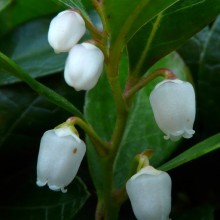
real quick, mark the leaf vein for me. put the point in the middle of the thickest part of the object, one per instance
(185, 7)
(155, 27)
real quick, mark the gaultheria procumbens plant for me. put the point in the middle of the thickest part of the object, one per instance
(136, 90)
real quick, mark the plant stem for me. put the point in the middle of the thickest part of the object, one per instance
(166, 73)
(101, 147)
(121, 113)
(98, 5)
(107, 212)
(108, 200)
(108, 206)
(108, 203)
(112, 68)
(96, 34)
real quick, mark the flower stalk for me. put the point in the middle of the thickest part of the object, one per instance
(109, 201)
(163, 72)
(101, 147)
(95, 33)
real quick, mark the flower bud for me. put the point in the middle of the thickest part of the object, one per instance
(83, 66)
(149, 192)
(65, 30)
(60, 155)
(173, 104)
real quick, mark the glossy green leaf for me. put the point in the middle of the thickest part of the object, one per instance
(26, 201)
(28, 47)
(101, 110)
(22, 10)
(191, 50)
(24, 115)
(209, 80)
(4, 4)
(200, 149)
(142, 132)
(8, 66)
(168, 31)
(124, 18)
(100, 113)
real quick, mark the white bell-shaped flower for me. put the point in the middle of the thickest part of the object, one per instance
(65, 30)
(84, 66)
(149, 192)
(173, 104)
(60, 155)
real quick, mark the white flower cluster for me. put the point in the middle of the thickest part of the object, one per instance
(174, 108)
(84, 63)
(61, 150)
(149, 190)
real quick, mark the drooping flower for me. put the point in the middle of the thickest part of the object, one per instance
(65, 30)
(83, 66)
(60, 155)
(173, 104)
(149, 192)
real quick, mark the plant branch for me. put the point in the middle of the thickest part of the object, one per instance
(108, 207)
(121, 108)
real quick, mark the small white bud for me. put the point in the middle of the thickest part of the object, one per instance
(83, 66)
(65, 30)
(173, 104)
(149, 192)
(60, 155)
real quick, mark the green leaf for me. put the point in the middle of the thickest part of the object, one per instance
(100, 112)
(8, 66)
(124, 18)
(4, 4)
(76, 4)
(26, 201)
(96, 110)
(37, 58)
(24, 115)
(142, 131)
(209, 80)
(21, 11)
(168, 31)
(191, 50)
(200, 149)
